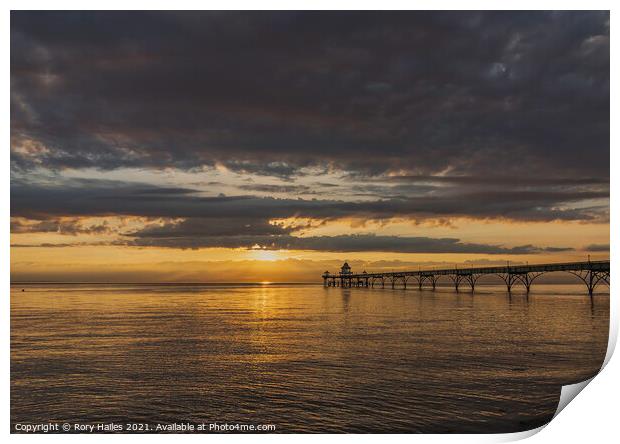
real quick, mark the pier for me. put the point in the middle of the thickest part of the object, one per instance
(591, 273)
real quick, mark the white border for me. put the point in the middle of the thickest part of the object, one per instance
(591, 418)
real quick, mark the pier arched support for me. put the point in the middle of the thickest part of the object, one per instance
(509, 279)
(471, 279)
(456, 280)
(405, 279)
(460, 277)
(377, 279)
(525, 278)
(431, 279)
(398, 277)
(591, 278)
(416, 278)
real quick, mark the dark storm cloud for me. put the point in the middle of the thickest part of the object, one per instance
(266, 188)
(597, 247)
(525, 93)
(69, 227)
(79, 197)
(507, 181)
(196, 221)
(62, 245)
(197, 233)
(439, 186)
(341, 243)
(206, 227)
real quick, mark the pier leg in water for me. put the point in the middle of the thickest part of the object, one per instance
(456, 279)
(509, 279)
(472, 279)
(592, 278)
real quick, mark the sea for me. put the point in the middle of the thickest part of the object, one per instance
(299, 358)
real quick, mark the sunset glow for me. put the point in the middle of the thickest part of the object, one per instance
(192, 177)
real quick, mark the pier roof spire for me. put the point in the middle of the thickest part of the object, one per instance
(345, 269)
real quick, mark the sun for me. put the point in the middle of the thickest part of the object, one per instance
(265, 255)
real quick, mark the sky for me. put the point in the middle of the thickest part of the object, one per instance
(272, 146)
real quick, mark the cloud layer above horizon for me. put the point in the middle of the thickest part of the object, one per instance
(212, 128)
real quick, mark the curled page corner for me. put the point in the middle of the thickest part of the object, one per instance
(569, 392)
(518, 436)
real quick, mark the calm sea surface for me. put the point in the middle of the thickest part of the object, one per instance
(301, 357)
